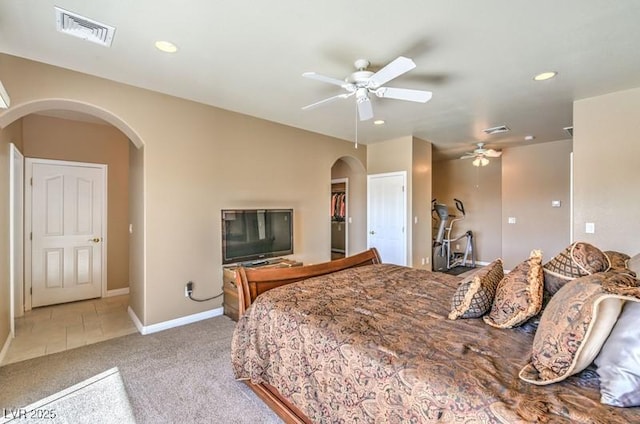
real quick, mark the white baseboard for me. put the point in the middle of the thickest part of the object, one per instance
(189, 319)
(117, 292)
(5, 348)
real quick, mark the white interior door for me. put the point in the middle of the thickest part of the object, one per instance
(386, 216)
(67, 211)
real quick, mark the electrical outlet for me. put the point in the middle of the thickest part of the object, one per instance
(188, 289)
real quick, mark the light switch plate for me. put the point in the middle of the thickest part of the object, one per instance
(590, 228)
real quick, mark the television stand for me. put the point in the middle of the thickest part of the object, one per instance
(230, 290)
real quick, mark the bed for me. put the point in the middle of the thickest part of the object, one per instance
(359, 341)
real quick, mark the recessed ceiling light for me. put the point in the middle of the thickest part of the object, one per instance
(166, 46)
(545, 76)
(529, 137)
(378, 122)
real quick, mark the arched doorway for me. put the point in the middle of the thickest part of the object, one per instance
(38, 118)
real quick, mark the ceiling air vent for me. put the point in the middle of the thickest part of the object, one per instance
(85, 28)
(569, 130)
(496, 130)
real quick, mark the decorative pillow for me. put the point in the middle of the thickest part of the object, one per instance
(634, 264)
(618, 363)
(574, 326)
(619, 261)
(577, 260)
(519, 294)
(474, 295)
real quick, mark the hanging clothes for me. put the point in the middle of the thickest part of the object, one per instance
(338, 206)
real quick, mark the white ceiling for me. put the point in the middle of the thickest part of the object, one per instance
(477, 57)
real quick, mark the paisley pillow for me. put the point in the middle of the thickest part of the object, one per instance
(577, 260)
(575, 325)
(519, 294)
(474, 295)
(619, 262)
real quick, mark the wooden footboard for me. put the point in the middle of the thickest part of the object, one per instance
(278, 404)
(253, 282)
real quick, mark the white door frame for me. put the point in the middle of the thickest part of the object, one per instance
(402, 174)
(28, 217)
(16, 236)
(346, 212)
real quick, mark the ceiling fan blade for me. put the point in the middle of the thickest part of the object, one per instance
(323, 78)
(365, 110)
(327, 100)
(492, 153)
(393, 70)
(468, 156)
(404, 94)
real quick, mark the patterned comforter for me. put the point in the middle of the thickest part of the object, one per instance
(373, 344)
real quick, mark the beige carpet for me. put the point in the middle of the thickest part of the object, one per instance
(181, 375)
(99, 399)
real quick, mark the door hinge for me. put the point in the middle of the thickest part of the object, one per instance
(403, 189)
(31, 181)
(31, 290)
(30, 236)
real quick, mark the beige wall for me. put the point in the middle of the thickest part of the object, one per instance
(9, 134)
(390, 156)
(533, 176)
(606, 149)
(479, 189)
(60, 139)
(136, 238)
(420, 221)
(412, 156)
(197, 160)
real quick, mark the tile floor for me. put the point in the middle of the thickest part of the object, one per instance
(52, 329)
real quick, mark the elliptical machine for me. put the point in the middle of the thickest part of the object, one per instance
(444, 258)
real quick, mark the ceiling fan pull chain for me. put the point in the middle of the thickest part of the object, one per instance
(356, 125)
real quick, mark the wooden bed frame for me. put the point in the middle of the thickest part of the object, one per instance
(252, 282)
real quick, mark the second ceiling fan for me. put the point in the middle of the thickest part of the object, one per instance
(362, 82)
(481, 155)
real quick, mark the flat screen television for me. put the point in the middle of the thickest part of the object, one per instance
(251, 236)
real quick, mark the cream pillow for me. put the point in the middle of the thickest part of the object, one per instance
(618, 363)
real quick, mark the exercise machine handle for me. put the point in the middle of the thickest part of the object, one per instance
(459, 206)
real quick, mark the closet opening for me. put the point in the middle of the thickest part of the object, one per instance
(339, 221)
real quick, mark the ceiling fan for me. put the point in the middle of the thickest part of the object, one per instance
(362, 82)
(481, 155)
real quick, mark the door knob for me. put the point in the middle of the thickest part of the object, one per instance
(95, 240)
(372, 232)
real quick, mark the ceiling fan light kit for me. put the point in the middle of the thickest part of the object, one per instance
(362, 82)
(482, 161)
(481, 155)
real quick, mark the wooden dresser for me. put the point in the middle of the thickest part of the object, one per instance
(230, 303)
